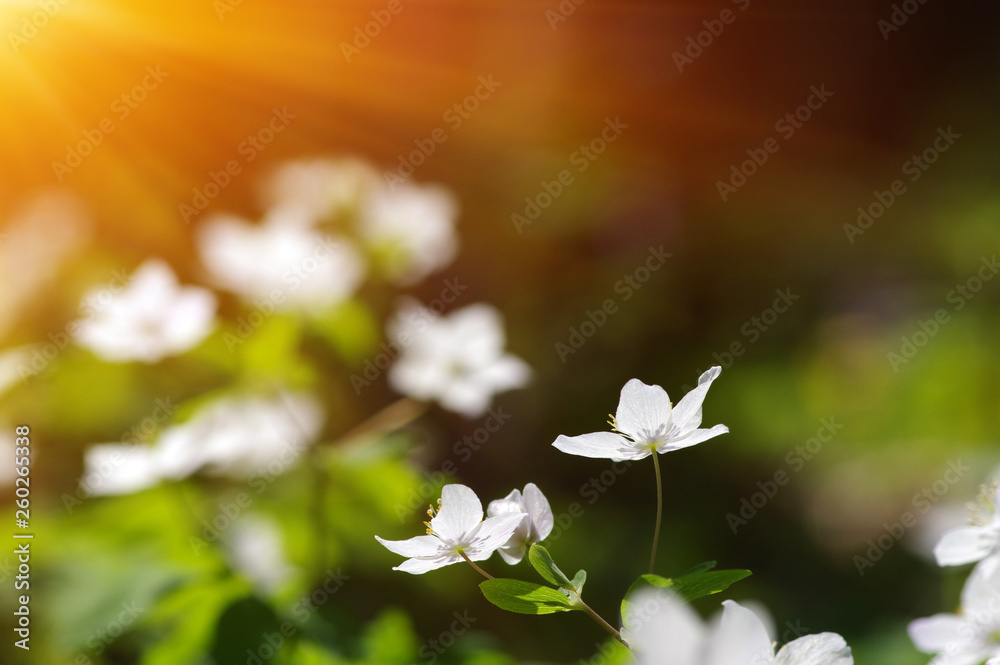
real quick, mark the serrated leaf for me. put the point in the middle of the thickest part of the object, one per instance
(524, 597)
(542, 561)
(700, 581)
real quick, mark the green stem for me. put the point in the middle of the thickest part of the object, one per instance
(600, 621)
(388, 419)
(659, 511)
(472, 563)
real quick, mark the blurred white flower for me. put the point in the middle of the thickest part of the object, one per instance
(646, 423)
(455, 531)
(534, 529)
(317, 189)
(664, 630)
(280, 261)
(415, 226)
(232, 436)
(12, 363)
(237, 436)
(117, 468)
(973, 543)
(150, 318)
(256, 550)
(973, 635)
(458, 359)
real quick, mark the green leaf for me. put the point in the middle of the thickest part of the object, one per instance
(542, 561)
(524, 597)
(579, 580)
(698, 582)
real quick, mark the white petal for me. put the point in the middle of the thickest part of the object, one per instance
(600, 445)
(493, 534)
(542, 520)
(418, 546)
(822, 649)
(939, 633)
(643, 410)
(509, 504)
(421, 566)
(461, 512)
(687, 412)
(663, 630)
(965, 545)
(740, 638)
(979, 596)
(513, 554)
(694, 438)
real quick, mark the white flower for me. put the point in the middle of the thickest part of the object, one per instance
(317, 189)
(256, 550)
(115, 468)
(972, 543)
(238, 436)
(457, 528)
(666, 631)
(152, 317)
(281, 262)
(534, 529)
(458, 360)
(416, 224)
(232, 436)
(972, 636)
(646, 422)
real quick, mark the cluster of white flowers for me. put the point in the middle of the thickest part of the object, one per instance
(973, 634)
(664, 630)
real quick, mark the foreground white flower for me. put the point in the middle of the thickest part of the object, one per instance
(458, 360)
(456, 531)
(414, 225)
(973, 543)
(234, 437)
(282, 262)
(666, 631)
(535, 528)
(150, 318)
(646, 422)
(972, 636)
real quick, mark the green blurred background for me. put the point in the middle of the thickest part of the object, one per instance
(655, 185)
